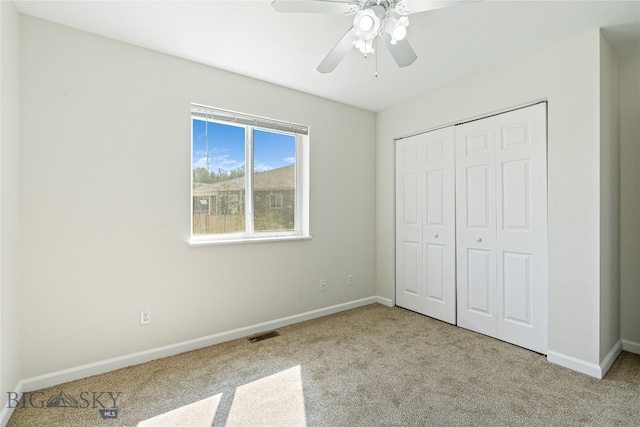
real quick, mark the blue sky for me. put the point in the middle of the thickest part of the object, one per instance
(226, 148)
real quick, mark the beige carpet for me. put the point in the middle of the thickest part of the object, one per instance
(365, 367)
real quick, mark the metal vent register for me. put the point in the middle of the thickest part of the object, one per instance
(263, 337)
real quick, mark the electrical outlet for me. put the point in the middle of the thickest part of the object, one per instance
(350, 280)
(145, 317)
(323, 284)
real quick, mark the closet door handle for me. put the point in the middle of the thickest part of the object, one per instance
(435, 235)
(479, 239)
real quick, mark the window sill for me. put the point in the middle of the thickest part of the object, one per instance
(213, 242)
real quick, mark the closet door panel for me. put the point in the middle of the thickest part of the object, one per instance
(522, 227)
(409, 222)
(435, 198)
(410, 269)
(479, 278)
(435, 283)
(516, 195)
(425, 224)
(439, 228)
(476, 226)
(517, 288)
(478, 197)
(501, 226)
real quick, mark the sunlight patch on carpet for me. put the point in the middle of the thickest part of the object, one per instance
(200, 413)
(274, 400)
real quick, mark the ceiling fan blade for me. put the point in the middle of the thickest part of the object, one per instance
(311, 6)
(413, 6)
(402, 51)
(338, 52)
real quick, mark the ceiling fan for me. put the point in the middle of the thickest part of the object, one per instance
(386, 19)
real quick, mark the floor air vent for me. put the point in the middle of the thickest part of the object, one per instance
(264, 336)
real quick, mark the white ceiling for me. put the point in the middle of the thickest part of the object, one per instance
(250, 38)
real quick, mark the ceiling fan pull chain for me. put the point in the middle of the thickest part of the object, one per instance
(377, 52)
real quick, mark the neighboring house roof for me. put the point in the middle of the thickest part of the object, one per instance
(274, 179)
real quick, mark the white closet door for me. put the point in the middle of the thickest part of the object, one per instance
(409, 206)
(476, 226)
(521, 185)
(425, 224)
(439, 231)
(502, 226)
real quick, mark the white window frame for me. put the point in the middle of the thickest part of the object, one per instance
(251, 123)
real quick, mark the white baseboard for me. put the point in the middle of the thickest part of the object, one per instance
(384, 301)
(574, 364)
(631, 347)
(611, 357)
(6, 412)
(587, 368)
(72, 374)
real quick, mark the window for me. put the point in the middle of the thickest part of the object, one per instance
(276, 201)
(249, 177)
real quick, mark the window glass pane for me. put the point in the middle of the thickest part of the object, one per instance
(274, 172)
(218, 178)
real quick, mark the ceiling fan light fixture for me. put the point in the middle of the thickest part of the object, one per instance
(366, 24)
(397, 28)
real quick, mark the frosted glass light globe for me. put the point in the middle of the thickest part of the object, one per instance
(399, 32)
(366, 23)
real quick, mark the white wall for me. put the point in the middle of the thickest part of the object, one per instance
(630, 202)
(10, 365)
(105, 200)
(567, 74)
(609, 200)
